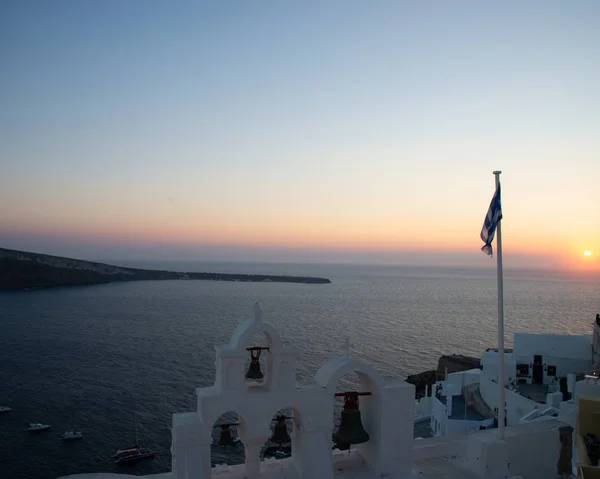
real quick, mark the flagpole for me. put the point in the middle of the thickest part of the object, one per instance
(501, 389)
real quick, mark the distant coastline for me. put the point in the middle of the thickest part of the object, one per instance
(21, 270)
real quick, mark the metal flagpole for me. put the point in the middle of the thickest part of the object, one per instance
(464, 394)
(501, 390)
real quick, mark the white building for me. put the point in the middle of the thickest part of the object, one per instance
(531, 451)
(544, 358)
(536, 372)
(546, 377)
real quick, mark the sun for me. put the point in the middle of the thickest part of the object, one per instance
(587, 253)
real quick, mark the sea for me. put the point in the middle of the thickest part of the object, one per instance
(103, 358)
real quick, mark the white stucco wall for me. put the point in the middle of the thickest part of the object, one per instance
(586, 389)
(530, 451)
(457, 426)
(517, 406)
(430, 447)
(534, 452)
(489, 364)
(423, 406)
(564, 366)
(489, 392)
(438, 416)
(463, 378)
(560, 346)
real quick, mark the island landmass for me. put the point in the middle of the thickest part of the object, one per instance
(21, 270)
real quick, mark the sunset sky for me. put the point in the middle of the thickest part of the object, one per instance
(300, 131)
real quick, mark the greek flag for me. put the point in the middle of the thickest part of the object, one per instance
(494, 215)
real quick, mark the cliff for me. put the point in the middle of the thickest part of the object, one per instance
(454, 362)
(23, 270)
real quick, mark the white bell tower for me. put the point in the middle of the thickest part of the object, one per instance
(387, 412)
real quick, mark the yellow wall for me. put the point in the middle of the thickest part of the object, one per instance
(588, 472)
(588, 422)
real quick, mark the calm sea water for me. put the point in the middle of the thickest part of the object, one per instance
(90, 356)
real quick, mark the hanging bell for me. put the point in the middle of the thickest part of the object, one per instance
(351, 429)
(225, 438)
(280, 433)
(254, 371)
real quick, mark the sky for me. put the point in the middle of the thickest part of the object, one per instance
(343, 131)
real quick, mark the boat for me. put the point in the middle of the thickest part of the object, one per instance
(5, 409)
(72, 434)
(133, 453)
(125, 450)
(36, 426)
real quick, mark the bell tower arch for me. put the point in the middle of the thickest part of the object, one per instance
(280, 361)
(389, 448)
(387, 412)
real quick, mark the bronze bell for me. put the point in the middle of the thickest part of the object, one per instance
(254, 371)
(225, 438)
(280, 433)
(351, 429)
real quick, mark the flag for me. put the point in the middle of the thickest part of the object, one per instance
(494, 215)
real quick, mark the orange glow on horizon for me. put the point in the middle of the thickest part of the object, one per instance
(302, 237)
(280, 232)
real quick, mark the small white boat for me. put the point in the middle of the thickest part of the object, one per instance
(72, 434)
(5, 409)
(36, 426)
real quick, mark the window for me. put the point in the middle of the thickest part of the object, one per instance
(551, 371)
(522, 370)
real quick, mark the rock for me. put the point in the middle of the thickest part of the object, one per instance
(420, 380)
(454, 362)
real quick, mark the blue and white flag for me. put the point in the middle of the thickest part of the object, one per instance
(494, 215)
